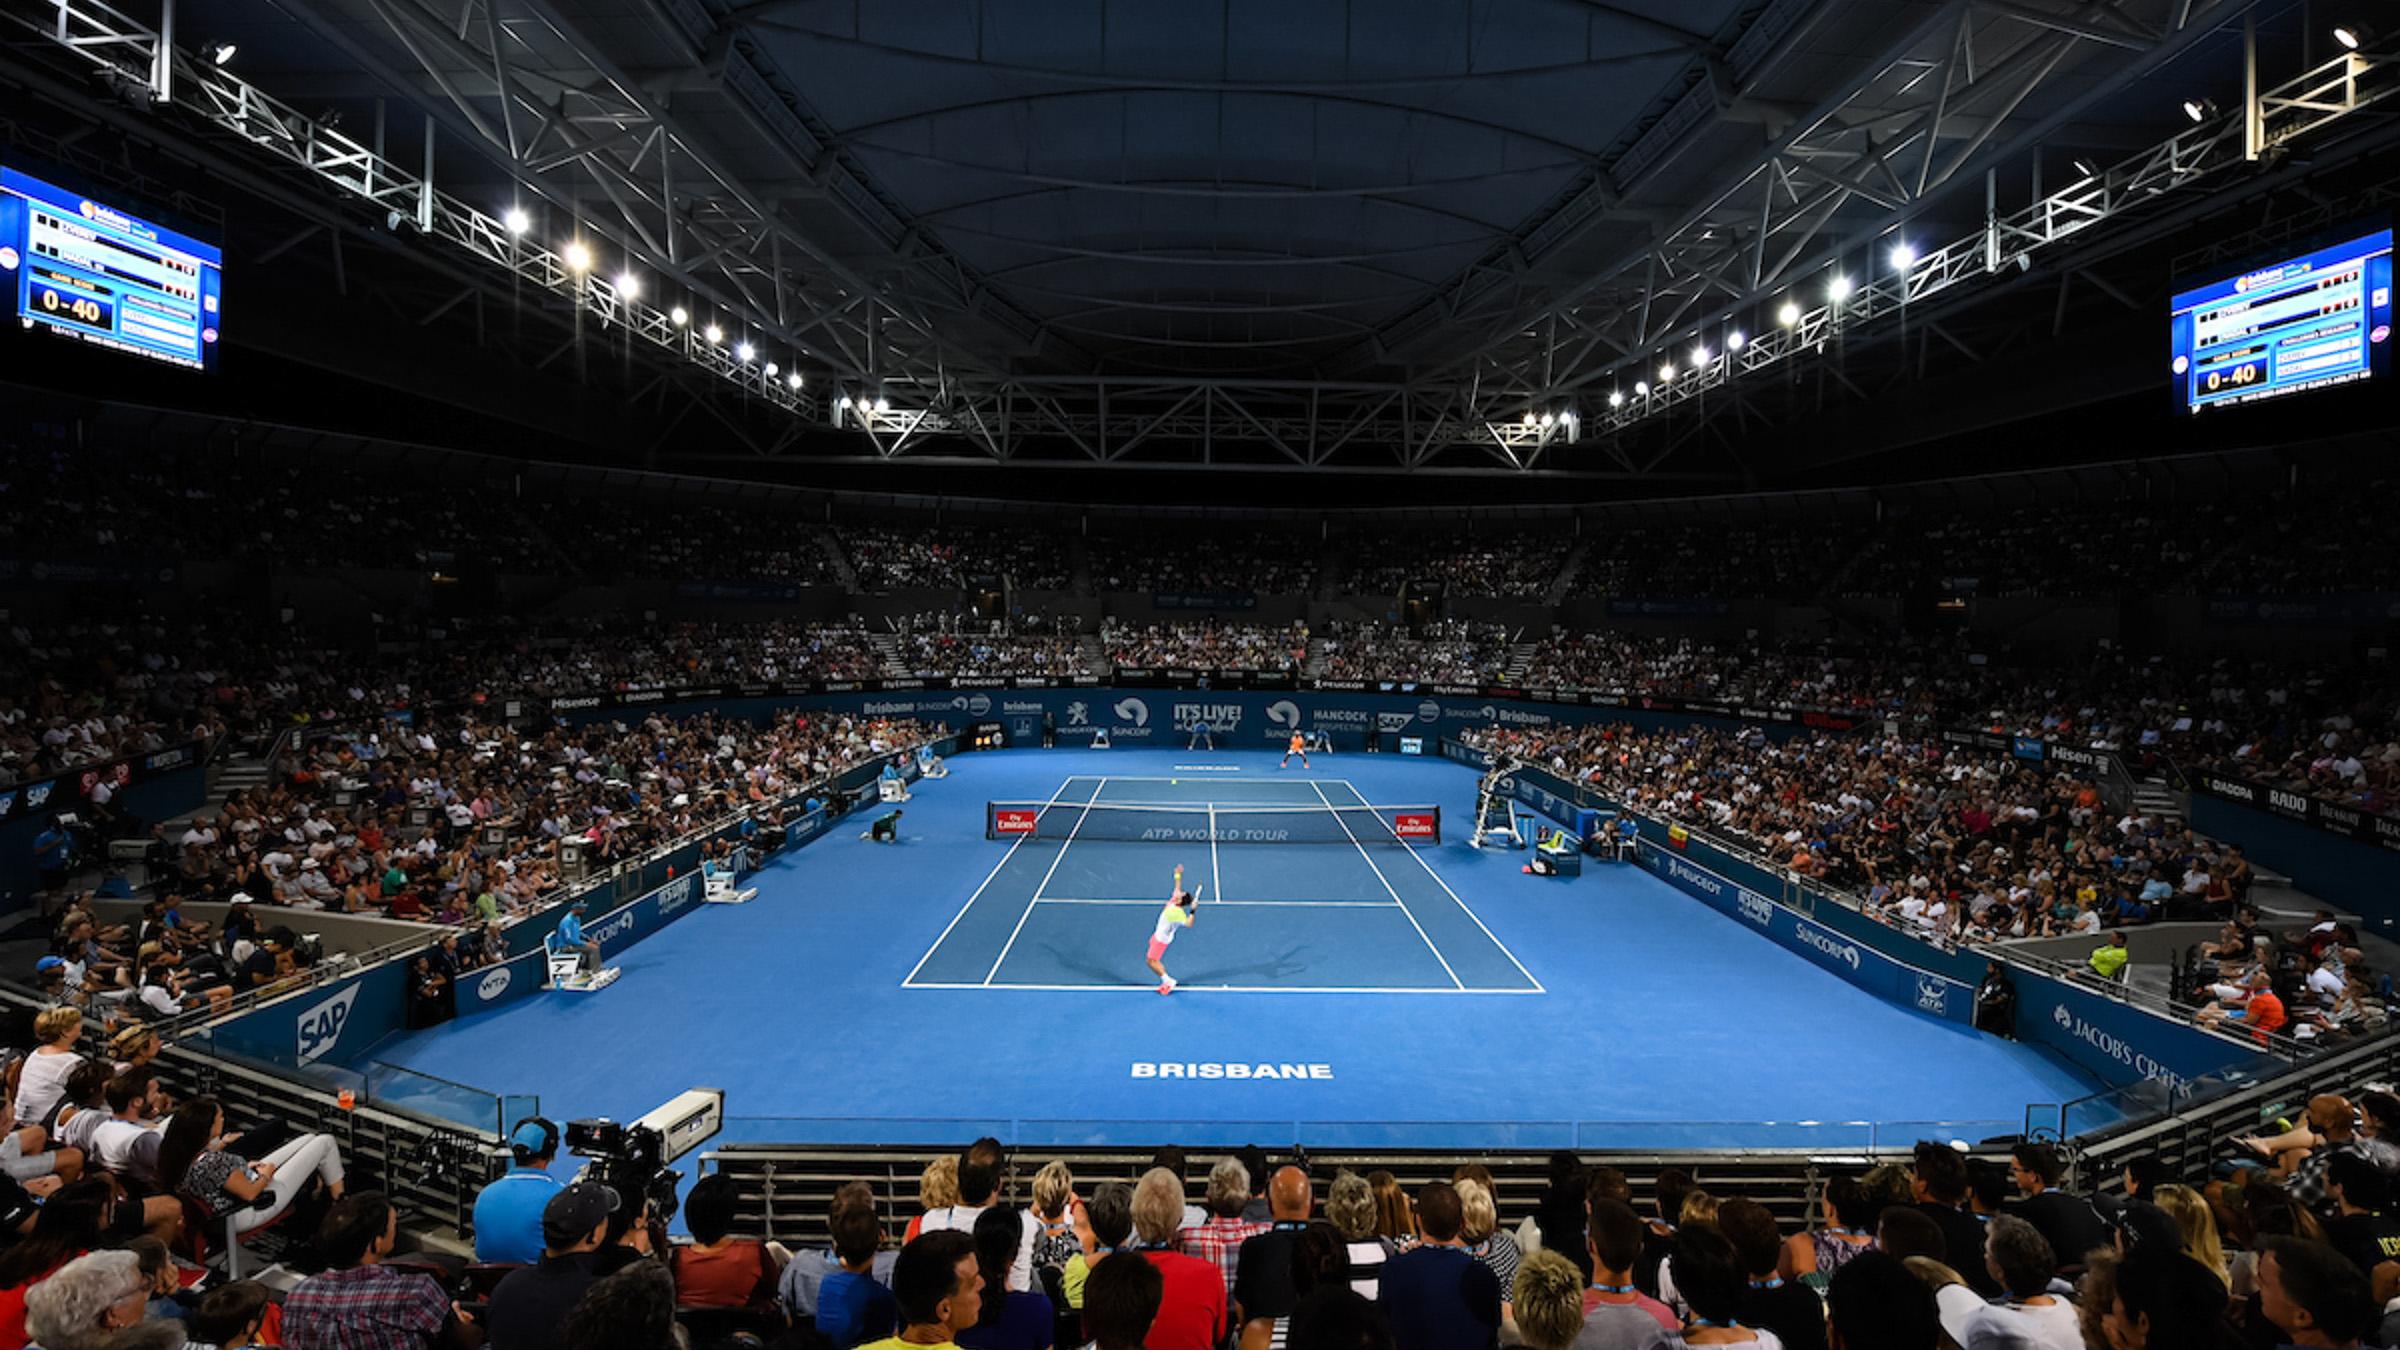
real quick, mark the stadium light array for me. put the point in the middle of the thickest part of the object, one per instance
(744, 351)
(1788, 315)
(792, 381)
(516, 220)
(1616, 398)
(773, 370)
(628, 285)
(1838, 289)
(578, 256)
(714, 334)
(1641, 389)
(679, 316)
(1699, 355)
(1666, 371)
(883, 405)
(1904, 256)
(1734, 340)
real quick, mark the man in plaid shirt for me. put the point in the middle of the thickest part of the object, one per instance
(1221, 1238)
(360, 1303)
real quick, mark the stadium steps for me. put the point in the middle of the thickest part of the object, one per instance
(2154, 797)
(1520, 659)
(887, 650)
(1095, 652)
(1563, 585)
(840, 558)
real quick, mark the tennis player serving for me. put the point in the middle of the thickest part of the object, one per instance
(1181, 906)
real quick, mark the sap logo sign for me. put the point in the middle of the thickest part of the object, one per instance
(493, 984)
(1284, 713)
(678, 893)
(1134, 711)
(1813, 936)
(320, 1027)
(1391, 721)
(1757, 908)
(1933, 994)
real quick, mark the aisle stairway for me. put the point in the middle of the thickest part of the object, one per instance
(1520, 658)
(887, 646)
(840, 558)
(1564, 583)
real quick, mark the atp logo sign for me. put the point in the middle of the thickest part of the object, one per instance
(320, 1028)
(1757, 908)
(1933, 995)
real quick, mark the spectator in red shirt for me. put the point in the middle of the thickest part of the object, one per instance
(1191, 1314)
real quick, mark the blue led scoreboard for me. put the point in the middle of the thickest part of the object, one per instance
(85, 270)
(2321, 319)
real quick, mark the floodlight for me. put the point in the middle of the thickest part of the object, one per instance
(1548, 418)
(1838, 289)
(1699, 355)
(679, 316)
(773, 370)
(516, 220)
(792, 381)
(628, 285)
(1734, 340)
(714, 333)
(744, 351)
(1788, 315)
(1666, 371)
(1641, 389)
(579, 257)
(883, 405)
(219, 53)
(1616, 398)
(2199, 109)
(2352, 36)
(1904, 256)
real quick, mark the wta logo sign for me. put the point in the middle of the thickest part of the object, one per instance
(493, 984)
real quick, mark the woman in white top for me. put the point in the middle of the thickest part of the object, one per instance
(2030, 1317)
(41, 1082)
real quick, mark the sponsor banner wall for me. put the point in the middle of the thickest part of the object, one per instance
(157, 786)
(2357, 869)
(2119, 1042)
(1894, 981)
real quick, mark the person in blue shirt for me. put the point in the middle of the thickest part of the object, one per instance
(570, 935)
(508, 1214)
(52, 849)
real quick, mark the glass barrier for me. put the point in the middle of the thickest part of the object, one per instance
(405, 1089)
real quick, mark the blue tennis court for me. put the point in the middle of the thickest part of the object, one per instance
(1306, 887)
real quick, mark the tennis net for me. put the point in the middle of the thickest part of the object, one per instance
(1203, 823)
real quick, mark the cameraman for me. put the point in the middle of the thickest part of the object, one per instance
(508, 1214)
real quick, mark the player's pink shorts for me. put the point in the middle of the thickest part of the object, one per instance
(1158, 950)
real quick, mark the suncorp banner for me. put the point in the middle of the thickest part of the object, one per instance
(1896, 982)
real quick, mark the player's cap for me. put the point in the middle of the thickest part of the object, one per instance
(574, 1212)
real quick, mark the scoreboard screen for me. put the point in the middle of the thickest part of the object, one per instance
(81, 269)
(2320, 319)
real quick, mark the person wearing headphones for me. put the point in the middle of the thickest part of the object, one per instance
(508, 1214)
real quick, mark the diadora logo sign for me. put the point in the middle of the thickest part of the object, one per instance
(1812, 936)
(1284, 713)
(1133, 712)
(2116, 1048)
(1933, 994)
(321, 1026)
(493, 984)
(678, 893)
(1757, 908)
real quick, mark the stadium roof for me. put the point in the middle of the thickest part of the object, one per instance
(1285, 232)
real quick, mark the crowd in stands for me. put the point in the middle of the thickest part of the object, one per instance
(988, 648)
(954, 557)
(2294, 1240)
(1205, 559)
(1517, 562)
(1209, 645)
(1729, 559)
(1451, 651)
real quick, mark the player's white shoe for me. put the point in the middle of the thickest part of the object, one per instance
(1167, 985)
